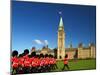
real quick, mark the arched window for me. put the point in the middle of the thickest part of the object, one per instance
(60, 57)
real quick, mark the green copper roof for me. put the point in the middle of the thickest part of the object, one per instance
(61, 22)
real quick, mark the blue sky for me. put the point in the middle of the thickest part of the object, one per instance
(33, 22)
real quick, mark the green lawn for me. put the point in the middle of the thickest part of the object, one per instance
(78, 65)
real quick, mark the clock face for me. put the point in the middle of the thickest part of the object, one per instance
(60, 28)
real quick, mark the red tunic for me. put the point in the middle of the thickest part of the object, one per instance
(15, 61)
(21, 62)
(41, 62)
(46, 61)
(66, 61)
(25, 57)
(34, 62)
(27, 62)
(38, 62)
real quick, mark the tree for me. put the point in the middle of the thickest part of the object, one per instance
(55, 52)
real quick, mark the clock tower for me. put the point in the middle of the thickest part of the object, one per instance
(61, 40)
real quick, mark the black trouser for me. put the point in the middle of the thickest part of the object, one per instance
(55, 65)
(65, 65)
(14, 71)
(26, 69)
(33, 69)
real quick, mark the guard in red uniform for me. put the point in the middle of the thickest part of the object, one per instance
(14, 61)
(66, 62)
(27, 65)
(21, 65)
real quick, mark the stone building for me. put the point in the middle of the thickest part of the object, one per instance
(80, 52)
(45, 50)
(89, 52)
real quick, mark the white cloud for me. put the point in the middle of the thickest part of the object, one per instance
(38, 42)
(41, 42)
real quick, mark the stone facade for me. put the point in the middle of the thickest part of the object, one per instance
(83, 53)
(44, 51)
(70, 54)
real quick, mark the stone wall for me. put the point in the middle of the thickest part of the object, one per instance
(70, 53)
(83, 53)
(93, 52)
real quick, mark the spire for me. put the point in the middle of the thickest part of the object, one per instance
(61, 22)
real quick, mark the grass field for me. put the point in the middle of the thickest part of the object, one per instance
(78, 65)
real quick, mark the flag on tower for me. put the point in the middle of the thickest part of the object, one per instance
(60, 12)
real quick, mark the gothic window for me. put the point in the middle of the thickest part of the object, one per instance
(60, 57)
